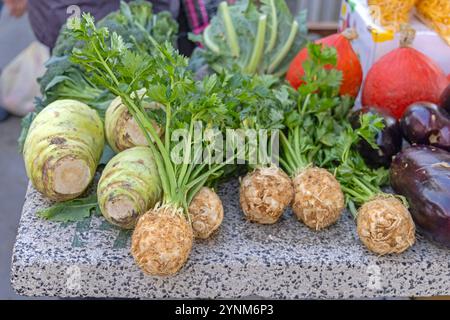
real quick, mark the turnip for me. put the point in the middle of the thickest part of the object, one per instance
(206, 212)
(129, 186)
(63, 148)
(122, 131)
(265, 193)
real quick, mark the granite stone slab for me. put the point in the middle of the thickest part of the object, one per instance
(285, 260)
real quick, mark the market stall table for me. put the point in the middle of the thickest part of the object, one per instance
(286, 260)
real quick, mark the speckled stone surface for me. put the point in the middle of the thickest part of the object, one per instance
(286, 260)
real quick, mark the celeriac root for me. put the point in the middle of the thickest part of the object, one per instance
(63, 148)
(206, 211)
(162, 241)
(264, 194)
(385, 226)
(122, 131)
(318, 198)
(129, 186)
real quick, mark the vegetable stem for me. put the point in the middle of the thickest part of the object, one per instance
(229, 29)
(296, 161)
(363, 187)
(284, 51)
(273, 36)
(187, 156)
(209, 42)
(258, 46)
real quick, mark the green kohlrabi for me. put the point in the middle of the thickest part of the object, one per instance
(253, 37)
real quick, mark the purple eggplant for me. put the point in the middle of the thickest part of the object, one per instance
(445, 99)
(426, 123)
(389, 140)
(422, 174)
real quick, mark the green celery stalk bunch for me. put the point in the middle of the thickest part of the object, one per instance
(113, 64)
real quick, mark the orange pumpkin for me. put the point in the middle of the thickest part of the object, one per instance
(347, 62)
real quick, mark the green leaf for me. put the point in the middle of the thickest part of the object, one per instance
(70, 211)
(56, 80)
(107, 155)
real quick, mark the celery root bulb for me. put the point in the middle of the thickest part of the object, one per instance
(318, 198)
(206, 211)
(129, 186)
(162, 241)
(122, 130)
(264, 194)
(63, 148)
(385, 226)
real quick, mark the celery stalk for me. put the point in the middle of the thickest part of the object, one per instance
(209, 42)
(229, 29)
(273, 36)
(258, 47)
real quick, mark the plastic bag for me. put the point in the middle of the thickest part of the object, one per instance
(18, 84)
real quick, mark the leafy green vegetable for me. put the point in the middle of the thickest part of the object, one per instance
(132, 21)
(320, 133)
(65, 42)
(251, 37)
(314, 123)
(135, 20)
(359, 182)
(70, 211)
(113, 64)
(66, 80)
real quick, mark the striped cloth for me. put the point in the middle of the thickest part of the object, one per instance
(199, 12)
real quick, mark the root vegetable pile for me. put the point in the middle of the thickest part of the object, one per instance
(63, 148)
(162, 180)
(162, 238)
(129, 186)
